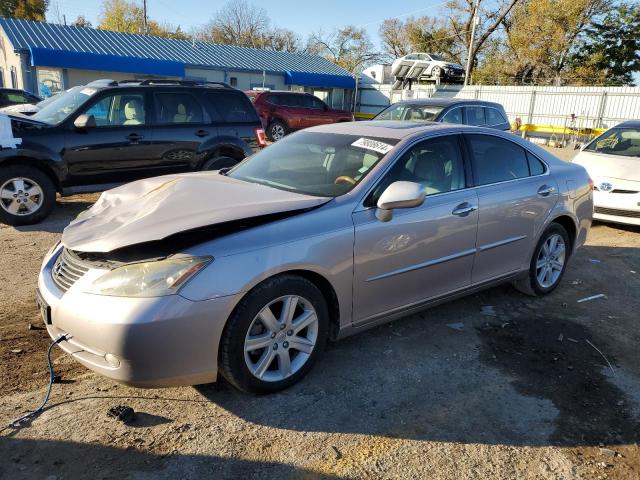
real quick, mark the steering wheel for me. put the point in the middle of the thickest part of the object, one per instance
(346, 179)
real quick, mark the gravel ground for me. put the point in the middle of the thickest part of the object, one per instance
(521, 393)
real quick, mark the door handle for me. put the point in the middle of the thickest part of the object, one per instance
(464, 209)
(202, 133)
(545, 190)
(134, 137)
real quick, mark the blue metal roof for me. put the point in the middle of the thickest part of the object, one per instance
(98, 49)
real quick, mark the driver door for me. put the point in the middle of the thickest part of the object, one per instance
(422, 252)
(118, 148)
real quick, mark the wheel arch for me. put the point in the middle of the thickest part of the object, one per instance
(570, 226)
(34, 163)
(321, 282)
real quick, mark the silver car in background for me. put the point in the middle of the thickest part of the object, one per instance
(332, 230)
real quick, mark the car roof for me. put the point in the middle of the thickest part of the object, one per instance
(395, 129)
(629, 124)
(446, 102)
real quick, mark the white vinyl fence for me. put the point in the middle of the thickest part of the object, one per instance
(593, 107)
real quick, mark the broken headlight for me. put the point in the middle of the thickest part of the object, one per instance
(149, 279)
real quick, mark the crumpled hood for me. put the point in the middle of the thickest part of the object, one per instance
(155, 208)
(611, 166)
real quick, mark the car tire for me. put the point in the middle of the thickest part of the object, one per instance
(218, 163)
(548, 263)
(276, 130)
(436, 72)
(19, 185)
(252, 356)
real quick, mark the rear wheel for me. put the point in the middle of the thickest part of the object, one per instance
(548, 263)
(276, 130)
(275, 335)
(27, 195)
(218, 162)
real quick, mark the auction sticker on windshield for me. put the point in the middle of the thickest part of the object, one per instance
(374, 145)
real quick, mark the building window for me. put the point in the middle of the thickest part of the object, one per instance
(233, 81)
(1, 77)
(49, 81)
(14, 78)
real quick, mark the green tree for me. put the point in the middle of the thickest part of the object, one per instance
(540, 40)
(24, 9)
(610, 51)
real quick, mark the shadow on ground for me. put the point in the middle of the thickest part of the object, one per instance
(527, 376)
(43, 459)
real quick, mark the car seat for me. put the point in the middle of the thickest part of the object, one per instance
(430, 170)
(181, 114)
(133, 113)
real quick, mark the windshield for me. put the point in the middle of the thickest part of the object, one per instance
(413, 113)
(57, 108)
(320, 164)
(617, 141)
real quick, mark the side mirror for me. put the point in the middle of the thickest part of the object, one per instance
(399, 195)
(82, 122)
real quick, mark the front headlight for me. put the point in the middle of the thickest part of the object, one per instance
(149, 279)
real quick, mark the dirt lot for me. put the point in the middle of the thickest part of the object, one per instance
(518, 394)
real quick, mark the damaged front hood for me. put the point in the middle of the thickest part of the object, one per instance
(155, 208)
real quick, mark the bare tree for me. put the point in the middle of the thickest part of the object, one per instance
(238, 23)
(395, 40)
(461, 19)
(349, 47)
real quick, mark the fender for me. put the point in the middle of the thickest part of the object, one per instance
(44, 158)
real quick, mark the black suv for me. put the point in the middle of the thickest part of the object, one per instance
(98, 135)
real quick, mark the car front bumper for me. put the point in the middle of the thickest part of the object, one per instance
(145, 342)
(617, 207)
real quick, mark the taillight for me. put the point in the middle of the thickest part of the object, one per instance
(261, 137)
(591, 185)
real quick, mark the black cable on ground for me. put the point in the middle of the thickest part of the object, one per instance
(16, 423)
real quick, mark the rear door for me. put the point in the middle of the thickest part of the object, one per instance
(515, 196)
(180, 128)
(118, 147)
(233, 115)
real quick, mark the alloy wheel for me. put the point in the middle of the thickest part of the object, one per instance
(21, 196)
(281, 338)
(277, 131)
(550, 261)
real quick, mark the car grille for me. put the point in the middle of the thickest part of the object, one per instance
(617, 212)
(67, 270)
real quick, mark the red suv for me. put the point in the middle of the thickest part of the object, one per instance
(283, 112)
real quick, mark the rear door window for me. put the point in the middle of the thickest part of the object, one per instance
(494, 117)
(475, 116)
(497, 160)
(172, 108)
(233, 107)
(453, 116)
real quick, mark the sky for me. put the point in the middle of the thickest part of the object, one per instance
(297, 15)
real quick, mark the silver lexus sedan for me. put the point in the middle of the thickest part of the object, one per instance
(248, 272)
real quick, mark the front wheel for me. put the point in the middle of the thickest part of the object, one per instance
(548, 263)
(274, 335)
(27, 195)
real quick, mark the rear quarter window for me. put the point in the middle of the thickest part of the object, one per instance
(232, 107)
